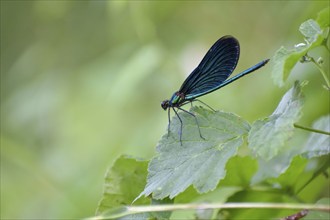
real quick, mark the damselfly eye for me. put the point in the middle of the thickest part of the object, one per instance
(164, 104)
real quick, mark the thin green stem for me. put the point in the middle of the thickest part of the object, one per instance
(316, 174)
(311, 129)
(325, 44)
(129, 210)
(326, 47)
(322, 72)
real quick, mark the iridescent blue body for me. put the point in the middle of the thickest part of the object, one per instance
(177, 98)
(211, 74)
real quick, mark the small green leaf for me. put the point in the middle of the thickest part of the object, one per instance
(323, 18)
(118, 187)
(315, 32)
(310, 29)
(269, 136)
(318, 144)
(284, 60)
(197, 162)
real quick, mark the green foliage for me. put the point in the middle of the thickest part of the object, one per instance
(124, 180)
(119, 189)
(269, 136)
(323, 18)
(318, 144)
(244, 169)
(81, 84)
(255, 196)
(293, 176)
(268, 161)
(270, 169)
(197, 162)
(315, 32)
(312, 215)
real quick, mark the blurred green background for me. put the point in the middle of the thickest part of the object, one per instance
(82, 82)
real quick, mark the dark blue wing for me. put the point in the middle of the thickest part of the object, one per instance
(216, 66)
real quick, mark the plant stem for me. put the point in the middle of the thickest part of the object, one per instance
(322, 72)
(325, 44)
(318, 172)
(327, 48)
(311, 129)
(129, 210)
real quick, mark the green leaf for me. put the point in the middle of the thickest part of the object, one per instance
(312, 215)
(256, 196)
(240, 170)
(278, 166)
(310, 29)
(318, 144)
(323, 18)
(293, 177)
(119, 188)
(315, 33)
(269, 136)
(219, 195)
(283, 62)
(197, 162)
(273, 168)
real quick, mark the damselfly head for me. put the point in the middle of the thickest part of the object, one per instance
(165, 104)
